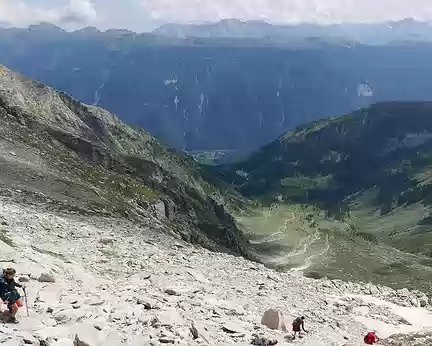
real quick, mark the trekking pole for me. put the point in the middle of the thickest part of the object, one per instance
(26, 301)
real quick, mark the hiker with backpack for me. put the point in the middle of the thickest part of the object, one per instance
(298, 324)
(9, 294)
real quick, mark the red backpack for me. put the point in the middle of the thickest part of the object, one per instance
(370, 338)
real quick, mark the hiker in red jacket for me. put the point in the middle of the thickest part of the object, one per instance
(370, 338)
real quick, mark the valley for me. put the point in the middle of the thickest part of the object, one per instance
(290, 239)
(276, 171)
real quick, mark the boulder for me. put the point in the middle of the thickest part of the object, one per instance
(170, 317)
(261, 340)
(403, 292)
(372, 289)
(423, 301)
(148, 303)
(233, 328)
(160, 210)
(172, 292)
(66, 316)
(79, 342)
(274, 319)
(194, 331)
(88, 335)
(50, 294)
(46, 277)
(415, 302)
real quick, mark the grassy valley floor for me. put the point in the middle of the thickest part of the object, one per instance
(295, 238)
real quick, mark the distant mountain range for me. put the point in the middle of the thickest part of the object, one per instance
(228, 92)
(375, 33)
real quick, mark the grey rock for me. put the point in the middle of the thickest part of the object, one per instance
(274, 319)
(194, 331)
(106, 241)
(146, 275)
(172, 292)
(79, 342)
(148, 303)
(46, 277)
(166, 340)
(160, 210)
(404, 292)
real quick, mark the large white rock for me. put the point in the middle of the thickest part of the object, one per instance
(274, 319)
(50, 294)
(170, 317)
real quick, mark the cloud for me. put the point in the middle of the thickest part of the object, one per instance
(147, 14)
(79, 11)
(288, 11)
(19, 13)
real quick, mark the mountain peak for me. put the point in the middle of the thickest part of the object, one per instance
(230, 21)
(408, 23)
(45, 26)
(88, 30)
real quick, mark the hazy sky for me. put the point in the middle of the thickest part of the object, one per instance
(142, 15)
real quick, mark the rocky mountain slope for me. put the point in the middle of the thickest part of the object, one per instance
(99, 218)
(370, 168)
(217, 93)
(118, 282)
(84, 159)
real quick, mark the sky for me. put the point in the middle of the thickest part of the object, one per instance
(145, 15)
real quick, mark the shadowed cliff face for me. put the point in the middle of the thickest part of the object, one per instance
(84, 158)
(217, 94)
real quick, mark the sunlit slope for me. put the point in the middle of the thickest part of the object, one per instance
(295, 238)
(371, 169)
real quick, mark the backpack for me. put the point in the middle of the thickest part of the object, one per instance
(368, 338)
(297, 322)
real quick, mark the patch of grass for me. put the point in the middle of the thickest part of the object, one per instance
(300, 186)
(48, 252)
(118, 185)
(5, 238)
(143, 191)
